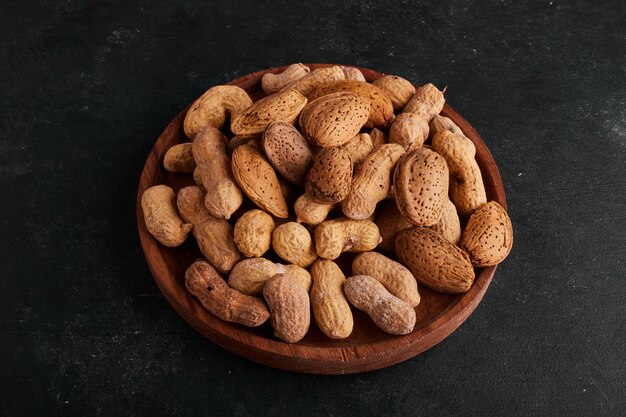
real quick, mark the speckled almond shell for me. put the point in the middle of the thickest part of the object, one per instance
(435, 262)
(397, 89)
(256, 177)
(381, 109)
(290, 308)
(488, 236)
(334, 119)
(330, 176)
(371, 181)
(288, 151)
(420, 186)
(282, 106)
(389, 313)
(427, 102)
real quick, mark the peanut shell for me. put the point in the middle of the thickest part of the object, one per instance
(330, 307)
(289, 306)
(397, 89)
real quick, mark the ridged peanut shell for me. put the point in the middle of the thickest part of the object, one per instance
(409, 130)
(289, 307)
(293, 243)
(250, 275)
(212, 108)
(309, 211)
(358, 147)
(282, 106)
(206, 284)
(372, 181)
(435, 262)
(390, 222)
(420, 186)
(305, 84)
(253, 233)
(397, 89)
(330, 307)
(488, 236)
(334, 119)
(288, 151)
(179, 159)
(333, 237)
(272, 83)
(381, 109)
(395, 277)
(389, 313)
(330, 176)
(440, 123)
(449, 226)
(256, 177)
(427, 102)
(158, 204)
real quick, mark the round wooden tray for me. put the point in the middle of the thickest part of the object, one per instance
(368, 348)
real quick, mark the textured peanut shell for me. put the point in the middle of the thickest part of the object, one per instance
(333, 237)
(292, 242)
(372, 181)
(330, 176)
(288, 151)
(440, 123)
(488, 236)
(250, 275)
(427, 102)
(381, 109)
(214, 236)
(271, 83)
(197, 177)
(179, 159)
(378, 137)
(158, 204)
(449, 226)
(397, 89)
(358, 147)
(351, 73)
(289, 306)
(305, 84)
(256, 177)
(212, 108)
(389, 313)
(396, 278)
(390, 221)
(253, 233)
(311, 212)
(223, 196)
(435, 262)
(420, 186)
(409, 130)
(283, 106)
(228, 304)
(467, 190)
(330, 307)
(334, 119)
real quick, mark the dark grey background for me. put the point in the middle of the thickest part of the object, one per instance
(86, 88)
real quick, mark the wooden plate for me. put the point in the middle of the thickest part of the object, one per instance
(368, 348)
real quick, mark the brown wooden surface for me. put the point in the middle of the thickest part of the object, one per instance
(368, 348)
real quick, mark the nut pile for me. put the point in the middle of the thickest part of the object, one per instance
(375, 170)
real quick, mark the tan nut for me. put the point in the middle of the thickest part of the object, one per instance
(409, 130)
(253, 233)
(330, 307)
(333, 237)
(292, 242)
(271, 83)
(250, 275)
(158, 204)
(289, 306)
(488, 236)
(179, 159)
(309, 211)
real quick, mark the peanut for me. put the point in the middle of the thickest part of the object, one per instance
(292, 242)
(397, 88)
(289, 306)
(389, 313)
(449, 226)
(440, 123)
(179, 158)
(253, 233)
(161, 216)
(409, 130)
(333, 237)
(305, 84)
(206, 284)
(358, 147)
(467, 190)
(394, 276)
(271, 83)
(214, 236)
(310, 212)
(250, 275)
(390, 221)
(351, 73)
(223, 195)
(330, 307)
(427, 102)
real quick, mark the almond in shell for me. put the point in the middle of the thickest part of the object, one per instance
(435, 262)
(488, 236)
(288, 151)
(334, 119)
(256, 177)
(282, 106)
(330, 176)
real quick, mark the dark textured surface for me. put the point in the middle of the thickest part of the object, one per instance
(87, 87)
